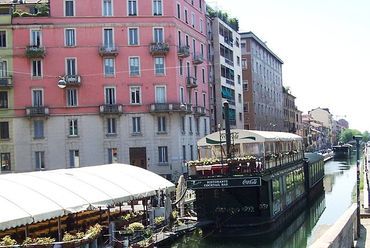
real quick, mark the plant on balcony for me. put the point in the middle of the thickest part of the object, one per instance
(93, 231)
(159, 220)
(7, 241)
(67, 237)
(136, 226)
(42, 242)
(34, 52)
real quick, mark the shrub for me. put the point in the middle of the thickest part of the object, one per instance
(136, 226)
(7, 241)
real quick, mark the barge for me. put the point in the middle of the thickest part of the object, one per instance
(250, 183)
(342, 151)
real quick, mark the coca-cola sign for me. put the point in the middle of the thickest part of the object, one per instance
(224, 183)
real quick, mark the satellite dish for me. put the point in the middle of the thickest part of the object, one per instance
(62, 83)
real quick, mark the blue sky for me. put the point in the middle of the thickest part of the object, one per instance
(325, 46)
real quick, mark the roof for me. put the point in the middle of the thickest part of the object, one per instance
(37, 196)
(245, 35)
(247, 136)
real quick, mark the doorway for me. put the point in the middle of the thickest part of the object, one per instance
(138, 157)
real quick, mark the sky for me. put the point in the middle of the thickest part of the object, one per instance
(325, 46)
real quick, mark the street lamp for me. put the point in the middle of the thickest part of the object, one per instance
(358, 138)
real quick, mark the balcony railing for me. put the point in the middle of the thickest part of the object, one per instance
(110, 50)
(108, 109)
(199, 110)
(191, 82)
(35, 52)
(39, 111)
(183, 51)
(6, 81)
(170, 107)
(159, 48)
(198, 59)
(72, 80)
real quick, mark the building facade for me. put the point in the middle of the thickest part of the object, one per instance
(6, 90)
(324, 116)
(226, 73)
(102, 81)
(262, 85)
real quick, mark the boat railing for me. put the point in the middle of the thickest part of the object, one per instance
(241, 166)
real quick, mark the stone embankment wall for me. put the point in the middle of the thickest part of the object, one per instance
(341, 233)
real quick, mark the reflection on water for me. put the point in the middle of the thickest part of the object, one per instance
(339, 182)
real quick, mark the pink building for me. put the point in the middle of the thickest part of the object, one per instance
(102, 81)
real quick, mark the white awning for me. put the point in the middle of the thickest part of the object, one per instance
(240, 136)
(36, 196)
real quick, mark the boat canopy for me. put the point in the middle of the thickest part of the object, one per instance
(31, 197)
(240, 136)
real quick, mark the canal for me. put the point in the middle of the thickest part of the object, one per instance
(339, 184)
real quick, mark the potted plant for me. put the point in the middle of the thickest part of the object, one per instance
(38, 242)
(8, 241)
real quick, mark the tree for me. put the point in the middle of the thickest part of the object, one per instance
(347, 135)
(365, 136)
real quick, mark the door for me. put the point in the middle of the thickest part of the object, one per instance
(138, 157)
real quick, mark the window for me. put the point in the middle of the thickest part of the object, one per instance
(111, 126)
(183, 124)
(36, 68)
(240, 116)
(107, 8)
(3, 99)
(186, 15)
(181, 67)
(112, 155)
(204, 99)
(239, 79)
(203, 75)
(238, 60)
(245, 85)
(159, 65)
(158, 35)
(190, 125)
(196, 98)
(108, 38)
(38, 129)
(136, 129)
(73, 127)
(197, 126)
(74, 158)
(201, 25)
(2, 38)
(157, 7)
(72, 97)
(163, 154)
(110, 95)
(160, 94)
(5, 161)
(70, 37)
(182, 96)
(191, 152)
(135, 95)
(109, 69)
(178, 11)
(240, 98)
(200, 4)
(69, 8)
(202, 50)
(37, 98)
(183, 153)
(244, 64)
(4, 130)
(40, 160)
(133, 36)
(132, 7)
(161, 124)
(71, 66)
(134, 66)
(3, 69)
(205, 127)
(35, 38)
(193, 20)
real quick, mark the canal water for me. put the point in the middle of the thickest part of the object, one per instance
(339, 184)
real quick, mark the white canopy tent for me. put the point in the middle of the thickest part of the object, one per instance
(31, 197)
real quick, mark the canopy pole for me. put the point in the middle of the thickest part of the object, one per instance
(26, 231)
(59, 231)
(108, 214)
(100, 215)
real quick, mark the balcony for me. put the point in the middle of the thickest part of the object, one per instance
(199, 110)
(6, 82)
(159, 48)
(35, 52)
(183, 51)
(198, 59)
(191, 82)
(108, 51)
(111, 109)
(39, 111)
(170, 107)
(72, 80)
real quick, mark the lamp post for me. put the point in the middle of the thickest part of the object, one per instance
(358, 138)
(219, 131)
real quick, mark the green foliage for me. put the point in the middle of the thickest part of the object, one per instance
(233, 22)
(159, 220)
(136, 226)
(7, 241)
(347, 135)
(69, 237)
(94, 231)
(365, 136)
(38, 241)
